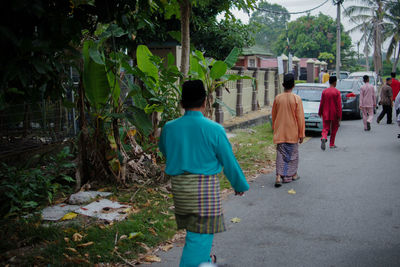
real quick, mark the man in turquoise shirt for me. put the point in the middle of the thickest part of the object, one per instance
(196, 150)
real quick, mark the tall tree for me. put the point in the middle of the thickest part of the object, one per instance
(368, 16)
(392, 32)
(310, 35)
(268, 22)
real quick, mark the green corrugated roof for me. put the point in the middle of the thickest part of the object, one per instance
(256, 50)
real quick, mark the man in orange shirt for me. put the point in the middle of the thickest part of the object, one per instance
(330, 109)
(395, 85)
(288, 125)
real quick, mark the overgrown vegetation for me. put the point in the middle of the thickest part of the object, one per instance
(24, 188)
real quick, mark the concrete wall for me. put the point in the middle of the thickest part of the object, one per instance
(230, 99)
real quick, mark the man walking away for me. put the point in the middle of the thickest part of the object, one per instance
(325, 77)
(330, 110)
(367, 103)
(395, 85)
(321, 73)
(288, 125)
(196, 150)
(386, 101)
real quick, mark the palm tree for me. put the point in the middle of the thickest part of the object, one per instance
(368, 16)
(392, 32)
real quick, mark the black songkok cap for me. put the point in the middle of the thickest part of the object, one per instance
(193, 91)
(288, 81)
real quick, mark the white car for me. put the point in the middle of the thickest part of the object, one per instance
(373, 80)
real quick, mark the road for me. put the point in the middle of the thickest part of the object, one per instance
(346, 210)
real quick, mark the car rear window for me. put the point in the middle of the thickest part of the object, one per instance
(371, 79)
(345, 85)
(309, 93)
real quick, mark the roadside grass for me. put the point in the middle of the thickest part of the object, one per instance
(150, 223)
(254, 150)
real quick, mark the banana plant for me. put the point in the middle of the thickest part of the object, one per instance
(214, 74)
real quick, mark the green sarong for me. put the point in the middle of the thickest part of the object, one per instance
(197, 201)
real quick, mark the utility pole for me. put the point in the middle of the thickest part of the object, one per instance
(338, 41)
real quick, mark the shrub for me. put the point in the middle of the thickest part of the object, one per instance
(24, 189)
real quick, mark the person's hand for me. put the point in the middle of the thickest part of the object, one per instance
(361, 108)
(301, 139)
(239, 193)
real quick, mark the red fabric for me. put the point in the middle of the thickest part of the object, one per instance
(330, 107)
(395, 87)
(333, 126)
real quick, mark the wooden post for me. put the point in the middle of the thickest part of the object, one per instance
(219, 114)
(276, 83)
(254, 104)
(266, 86)
(239, 87)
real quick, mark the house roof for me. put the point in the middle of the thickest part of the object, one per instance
(256, 50)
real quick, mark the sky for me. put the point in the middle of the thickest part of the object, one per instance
(302, 5)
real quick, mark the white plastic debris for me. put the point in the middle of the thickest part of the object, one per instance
(106, 210)
(56, 212)
(83, 197)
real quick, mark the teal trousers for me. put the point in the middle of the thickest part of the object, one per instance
(197, 249)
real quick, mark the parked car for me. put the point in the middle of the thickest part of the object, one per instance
(373, 80)
(343, 74)
(350, 92)
(310, 94)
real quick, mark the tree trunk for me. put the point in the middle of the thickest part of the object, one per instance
(396, 60)
(185, 9)
(83, 174)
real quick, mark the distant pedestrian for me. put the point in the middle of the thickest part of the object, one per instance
(330, 110)
(386, 102)
(321, 73)
(196, 150)
(395, 85)
(288, 125)
(367, 102)
(397, 109)
(325, 77)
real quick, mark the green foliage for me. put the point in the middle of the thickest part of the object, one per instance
(268, 26)
(24, 189)
(309, 35)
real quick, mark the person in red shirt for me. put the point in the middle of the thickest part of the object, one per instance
(330, 110)
(395, 85)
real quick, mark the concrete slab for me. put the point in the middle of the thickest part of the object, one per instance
(56, 212)
(83, 197)
(106, 210)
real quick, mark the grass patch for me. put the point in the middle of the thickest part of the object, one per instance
(154, 223)
(253, 148)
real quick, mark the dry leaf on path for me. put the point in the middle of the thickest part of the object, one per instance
(235, 220)
(264, 171)
(77, 237)
(143, 245)
(166, 247)
(291, 191)
(85, 244)
(151, 258)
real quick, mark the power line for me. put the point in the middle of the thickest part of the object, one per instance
(291, 13)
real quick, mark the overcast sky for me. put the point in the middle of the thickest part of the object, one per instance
(302, 5)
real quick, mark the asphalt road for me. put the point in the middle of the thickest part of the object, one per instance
(346, 210)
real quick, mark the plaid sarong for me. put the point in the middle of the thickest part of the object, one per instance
(197, 201)
(287, 159)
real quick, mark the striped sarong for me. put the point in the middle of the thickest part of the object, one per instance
(197, 201)
(287, 159)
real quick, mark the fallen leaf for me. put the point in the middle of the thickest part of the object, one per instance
(143, 245)
(87, 255)
(291, 191)
(77, 237)
(235, 220)
(123, 237)
(264, 171)
(166, 247)
(69, 216)
(152, 231)
(84, 208)
(85, 244)
(72, 250)
(151, 258)
(135, 235)
(66, 239)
